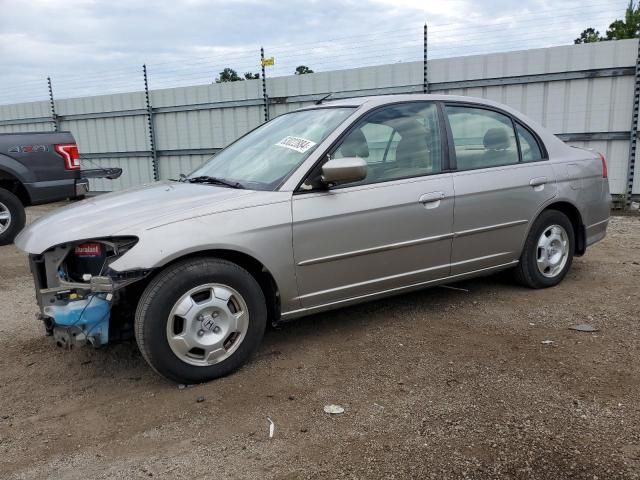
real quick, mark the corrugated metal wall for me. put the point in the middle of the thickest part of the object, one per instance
(584, 93)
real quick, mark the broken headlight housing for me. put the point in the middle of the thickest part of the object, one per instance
(83, 266)
(92, 259)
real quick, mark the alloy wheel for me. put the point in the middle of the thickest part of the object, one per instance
(5, 218)
(207, 324)
(552, 251)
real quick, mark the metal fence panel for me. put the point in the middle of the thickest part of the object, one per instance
(213, 128)
(26, 127)
(575, 89)
(19, 111)
(173, 165)
(113, 135)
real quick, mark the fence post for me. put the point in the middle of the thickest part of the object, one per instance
(152, 133)
(265, 99)
(633, 138)
(425, 76)
(52, 104)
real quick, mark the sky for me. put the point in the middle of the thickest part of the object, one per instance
(90, 47)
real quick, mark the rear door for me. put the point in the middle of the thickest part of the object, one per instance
(389, 231)
(502, 179)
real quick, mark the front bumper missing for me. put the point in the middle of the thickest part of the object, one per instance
(77, 312)
(80, 321)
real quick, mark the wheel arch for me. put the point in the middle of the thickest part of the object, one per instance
(12, 183)
(575, 217)
(257, 270)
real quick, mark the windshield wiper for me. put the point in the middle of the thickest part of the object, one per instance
(215, 181)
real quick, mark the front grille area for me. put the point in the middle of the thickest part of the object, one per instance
(38, 270)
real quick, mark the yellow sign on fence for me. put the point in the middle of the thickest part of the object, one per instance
(268, 62)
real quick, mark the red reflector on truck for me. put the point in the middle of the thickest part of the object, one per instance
(71, 155)
(88, 250)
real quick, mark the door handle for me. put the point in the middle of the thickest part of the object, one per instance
(432, 199)
(538, 181)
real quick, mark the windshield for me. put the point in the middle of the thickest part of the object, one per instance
(263, 158)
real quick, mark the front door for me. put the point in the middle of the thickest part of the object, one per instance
(501, 182)
(389, 231)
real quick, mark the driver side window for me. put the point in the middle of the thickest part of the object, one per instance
(398, 141)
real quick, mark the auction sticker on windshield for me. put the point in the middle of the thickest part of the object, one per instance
(296, 143)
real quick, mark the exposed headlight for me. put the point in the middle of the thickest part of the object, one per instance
(91, 258)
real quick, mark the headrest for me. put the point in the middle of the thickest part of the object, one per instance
(496, 139)
(355, 145)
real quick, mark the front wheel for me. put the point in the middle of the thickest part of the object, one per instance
(548, 251)
(200, 319)
(12, 216)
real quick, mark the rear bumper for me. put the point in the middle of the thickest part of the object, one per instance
(52, 191)
(82, 187)
(596, 232)
(55, 190)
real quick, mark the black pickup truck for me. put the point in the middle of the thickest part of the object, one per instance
(36, 168)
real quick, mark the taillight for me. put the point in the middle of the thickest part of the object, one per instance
(605, 174)
(71, 155)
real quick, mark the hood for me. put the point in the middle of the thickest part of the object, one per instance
(130, 211)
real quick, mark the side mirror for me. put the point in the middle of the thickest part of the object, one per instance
(344, 170)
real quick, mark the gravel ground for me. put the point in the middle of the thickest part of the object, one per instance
(437, 384)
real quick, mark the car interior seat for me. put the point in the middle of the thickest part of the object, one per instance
(498, 148)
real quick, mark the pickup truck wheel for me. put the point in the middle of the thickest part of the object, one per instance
(548, 251)
(12, 217)
(200, 319)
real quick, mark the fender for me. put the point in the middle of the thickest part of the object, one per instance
(16, 169)
(580, 247)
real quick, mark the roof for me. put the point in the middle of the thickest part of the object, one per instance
(374, 100)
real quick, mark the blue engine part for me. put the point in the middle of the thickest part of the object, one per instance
(85, 319)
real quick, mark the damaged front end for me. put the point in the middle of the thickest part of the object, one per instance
(78, 292)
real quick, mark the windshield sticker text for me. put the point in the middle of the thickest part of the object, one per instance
(296, 143)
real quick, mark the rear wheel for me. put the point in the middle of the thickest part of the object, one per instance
(548, 251)
(12, 216)
(200, 319)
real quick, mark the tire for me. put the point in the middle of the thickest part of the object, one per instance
(175, 326)
(12, 216)
(540, 266)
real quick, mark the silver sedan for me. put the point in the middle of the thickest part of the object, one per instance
(323, 207)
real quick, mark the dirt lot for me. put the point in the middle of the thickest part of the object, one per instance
(437, 384)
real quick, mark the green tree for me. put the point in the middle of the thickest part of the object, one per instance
(618, 30)
(302, 69)
(627, 28)
(589, 35)
(228, 75)
(251, 76)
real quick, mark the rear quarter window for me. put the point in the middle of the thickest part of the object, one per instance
(529, 146)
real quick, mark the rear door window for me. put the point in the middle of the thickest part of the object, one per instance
(482, 138)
